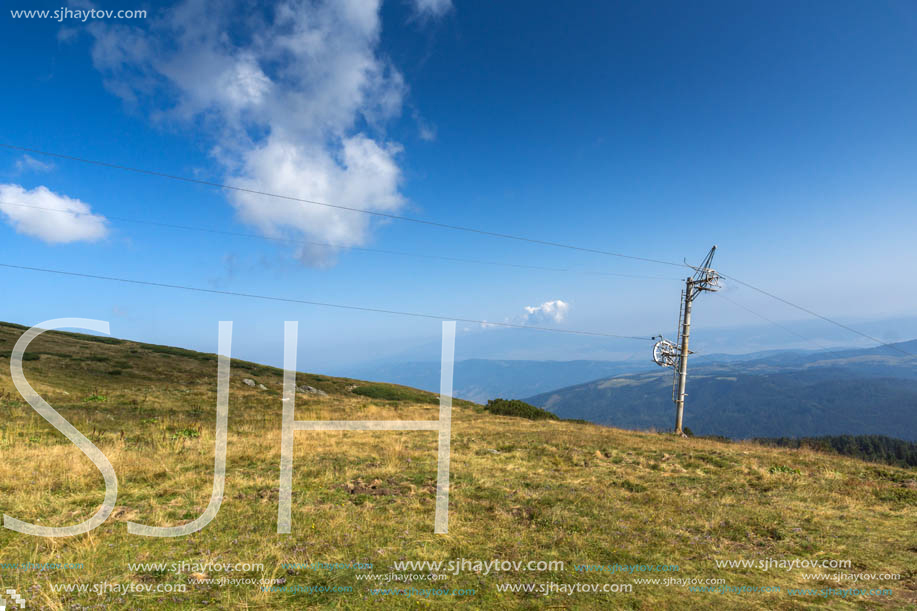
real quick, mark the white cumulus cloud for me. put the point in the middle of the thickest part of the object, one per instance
(29, 213)
(555, 311)
(292, 97)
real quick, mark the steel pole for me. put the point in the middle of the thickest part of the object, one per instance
(683, 361)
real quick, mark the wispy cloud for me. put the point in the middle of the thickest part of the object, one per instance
(425, 129)
(29, 164)
(432, 8)
(49, 216)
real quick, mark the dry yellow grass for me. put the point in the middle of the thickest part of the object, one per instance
(521, 490)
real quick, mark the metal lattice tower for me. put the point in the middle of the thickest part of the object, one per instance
(667, 354)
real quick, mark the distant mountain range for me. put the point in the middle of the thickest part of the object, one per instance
(798, 394)
(482, 379)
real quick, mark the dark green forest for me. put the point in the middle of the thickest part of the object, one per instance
(874, 448)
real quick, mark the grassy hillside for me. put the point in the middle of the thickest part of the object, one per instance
(522, 490)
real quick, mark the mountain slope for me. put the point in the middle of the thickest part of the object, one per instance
(363, 502)
(859, 392)
(482, 379)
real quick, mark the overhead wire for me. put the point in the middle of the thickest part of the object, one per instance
(823, 348)
(302, 200)
(329, 245)
(817, 315)
(430, 223)
(318, 303)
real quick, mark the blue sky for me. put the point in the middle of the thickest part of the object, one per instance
(784, 133)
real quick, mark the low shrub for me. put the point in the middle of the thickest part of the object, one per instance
(388, 392)
(518, 409)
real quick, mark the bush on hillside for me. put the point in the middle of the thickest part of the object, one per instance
(519, 409)
(389, 392)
